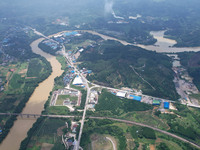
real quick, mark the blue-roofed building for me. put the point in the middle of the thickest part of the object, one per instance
(166, 105)
(72, 71)
(137, 98)
(89, 71)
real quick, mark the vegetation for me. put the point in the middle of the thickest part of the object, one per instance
(116, 65)
(127, 133)
(184, 122)
(102, 127)
(45, 131)
(109, 104)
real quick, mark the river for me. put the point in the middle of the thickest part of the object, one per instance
(164, 45)
(35, 105)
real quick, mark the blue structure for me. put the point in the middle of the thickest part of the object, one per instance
(137, 98)
(72, 71)
(0, 131)
(89, 71)
(166, 105)
(113, 93)
(70, 33)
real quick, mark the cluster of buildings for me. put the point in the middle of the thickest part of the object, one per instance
(60, 38)
(145, 99)
(69, 139)
(69, 76)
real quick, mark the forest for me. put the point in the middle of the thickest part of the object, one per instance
(116, 65)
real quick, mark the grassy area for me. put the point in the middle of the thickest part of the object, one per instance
(55, 110)
(36, 68)
(62, 98)
(63, 62)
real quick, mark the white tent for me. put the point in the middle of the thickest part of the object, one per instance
(77, 81)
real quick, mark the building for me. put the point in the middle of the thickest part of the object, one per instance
(156, 102)
(121, 94)
(166, 105)
(71, 33)
(77, 81)
(137, 98)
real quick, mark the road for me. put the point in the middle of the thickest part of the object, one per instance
(84, 113)
(114, 147)
(88, 92)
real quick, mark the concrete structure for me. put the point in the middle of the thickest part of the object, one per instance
(121, 94)
(77, 81)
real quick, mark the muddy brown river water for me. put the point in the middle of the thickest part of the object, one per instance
(35, 105)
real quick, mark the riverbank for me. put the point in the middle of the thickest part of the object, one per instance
(35, 105)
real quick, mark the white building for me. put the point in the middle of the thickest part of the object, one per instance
(77, 81)
(121, 94)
